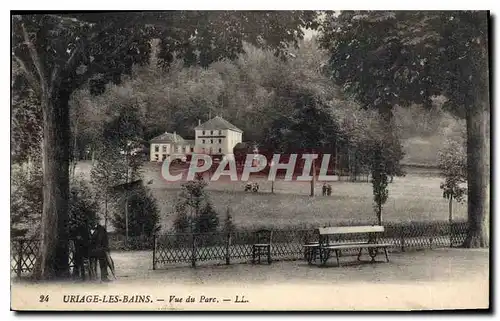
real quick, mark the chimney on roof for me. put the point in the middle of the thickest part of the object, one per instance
(175, 136)
(199, 122)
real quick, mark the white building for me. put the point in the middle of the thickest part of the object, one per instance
(169, 144)
(216, 136)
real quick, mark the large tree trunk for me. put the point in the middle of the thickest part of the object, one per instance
(52, 259)
(478, 154)
(478, 177)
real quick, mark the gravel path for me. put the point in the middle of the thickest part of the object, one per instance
(416, 266)
(431, 279)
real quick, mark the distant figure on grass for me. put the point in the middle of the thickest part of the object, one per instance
(99, 251)
(254, 187)
(327, 189)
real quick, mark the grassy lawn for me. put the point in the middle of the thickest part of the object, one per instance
(416, 197)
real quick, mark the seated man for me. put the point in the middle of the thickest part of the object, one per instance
(97, 250)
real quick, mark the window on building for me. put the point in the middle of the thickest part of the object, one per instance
(211, 141)
(220, 141)
(220, 132)
(164, 148)
(192, 149)
(211, 132)
(157, 149)
(156, 157)
(203, 132)
(220, 150)
(203, 141)
(164, 156)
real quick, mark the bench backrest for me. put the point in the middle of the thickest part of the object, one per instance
(264, 236)
(350, 229)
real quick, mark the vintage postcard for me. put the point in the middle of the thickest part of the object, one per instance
(250, 160)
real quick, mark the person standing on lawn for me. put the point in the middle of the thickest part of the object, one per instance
(98, 249)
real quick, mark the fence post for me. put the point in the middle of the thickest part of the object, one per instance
(451, 233)
(193, 250)
(228, 245)
(402, 239)
(20, 259)
(154, 252)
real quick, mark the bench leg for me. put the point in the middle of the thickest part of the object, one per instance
(323, 256)
(359, 254)
(373, 253)
(253, 255)
(269, 254)
(386, 256)
(337, 255)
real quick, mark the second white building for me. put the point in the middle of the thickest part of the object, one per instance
(216, 136)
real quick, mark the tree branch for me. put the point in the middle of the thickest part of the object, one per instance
(69, 65)
(35, 58)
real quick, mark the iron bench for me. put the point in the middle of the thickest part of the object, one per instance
(328, 244)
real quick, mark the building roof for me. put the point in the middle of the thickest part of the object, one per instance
(218, 123)
(167, 137)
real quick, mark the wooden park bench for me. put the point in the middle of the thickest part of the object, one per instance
(327, 243)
